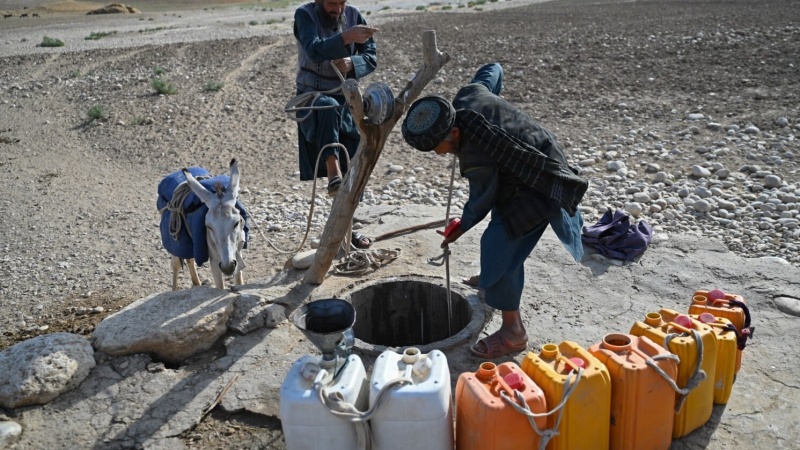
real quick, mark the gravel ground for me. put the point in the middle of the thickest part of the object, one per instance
(684, 113)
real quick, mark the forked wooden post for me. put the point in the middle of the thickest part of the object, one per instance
(373, 138)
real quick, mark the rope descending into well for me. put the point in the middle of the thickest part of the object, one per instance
(446, 254)
(177, 215)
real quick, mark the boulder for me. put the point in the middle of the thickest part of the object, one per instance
(171, 325)
(252, 312)
(42, 368)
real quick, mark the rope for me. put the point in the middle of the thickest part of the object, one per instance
(446, 254)
(313, 198)
(300, 102)
(698, 375)
(175, 206)
(652, 363)
(359, 262)
(523, 408)
(340, 408)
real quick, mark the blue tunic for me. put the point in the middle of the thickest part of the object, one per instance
(323, 127)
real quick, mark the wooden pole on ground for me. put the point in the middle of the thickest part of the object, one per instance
(373, 138)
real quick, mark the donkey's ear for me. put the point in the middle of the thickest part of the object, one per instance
(234, 179)
(199, 190)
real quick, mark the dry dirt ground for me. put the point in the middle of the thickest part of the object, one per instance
(78, 215)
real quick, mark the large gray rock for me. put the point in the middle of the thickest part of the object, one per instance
(171, 325)
(42, 368)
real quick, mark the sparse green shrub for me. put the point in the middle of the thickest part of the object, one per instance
(385, 8)
(213, 86)
(51, 42)
(470, 4)
(480, 2)
(158, 71)
(97, 112)
(75, 73)
(162, 86)
(446, 8)
(95, 35)
(253, 23)
(421, 7)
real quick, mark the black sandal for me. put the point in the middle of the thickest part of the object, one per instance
(333, 186)
(358, 240)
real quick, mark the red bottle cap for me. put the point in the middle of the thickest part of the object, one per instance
(716, 294)
(683, 320)
(514, 381)
(578, 362)
(706, 318)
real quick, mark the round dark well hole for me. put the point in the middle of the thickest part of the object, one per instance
(412, 312)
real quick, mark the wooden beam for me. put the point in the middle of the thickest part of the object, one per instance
(373, 139)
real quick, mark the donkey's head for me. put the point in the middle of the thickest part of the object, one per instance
(224, 225)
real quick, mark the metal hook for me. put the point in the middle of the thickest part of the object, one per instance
(443, 257)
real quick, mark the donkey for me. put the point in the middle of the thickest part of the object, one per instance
(213, 229)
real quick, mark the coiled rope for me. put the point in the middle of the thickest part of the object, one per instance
(177, 215)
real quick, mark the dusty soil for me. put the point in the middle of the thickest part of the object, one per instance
(80, 230)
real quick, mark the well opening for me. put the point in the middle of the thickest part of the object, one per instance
(398, 313)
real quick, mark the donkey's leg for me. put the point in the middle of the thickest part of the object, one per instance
(193, 272)
(216, 272)
(239, 277)
(176, 267)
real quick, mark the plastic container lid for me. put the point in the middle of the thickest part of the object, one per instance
(706, 318)
(578, 362)
(716, 294)
(683, 320)
(514, 381)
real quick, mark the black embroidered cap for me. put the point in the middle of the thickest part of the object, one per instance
(428, 122)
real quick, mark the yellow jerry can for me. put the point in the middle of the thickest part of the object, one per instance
(577, 387)
(696, 346)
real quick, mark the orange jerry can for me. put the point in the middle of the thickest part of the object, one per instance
(726, 354)
(729, 306)
(577, 387)
(642, 397)
(486, 420)
(697, 356)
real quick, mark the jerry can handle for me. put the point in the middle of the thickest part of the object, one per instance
(681, 328)
(571, 364)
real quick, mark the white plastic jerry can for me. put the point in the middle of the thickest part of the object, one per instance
(416, 413)
(307, 423)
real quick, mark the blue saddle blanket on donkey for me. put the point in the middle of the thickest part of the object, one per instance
(195, 212)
